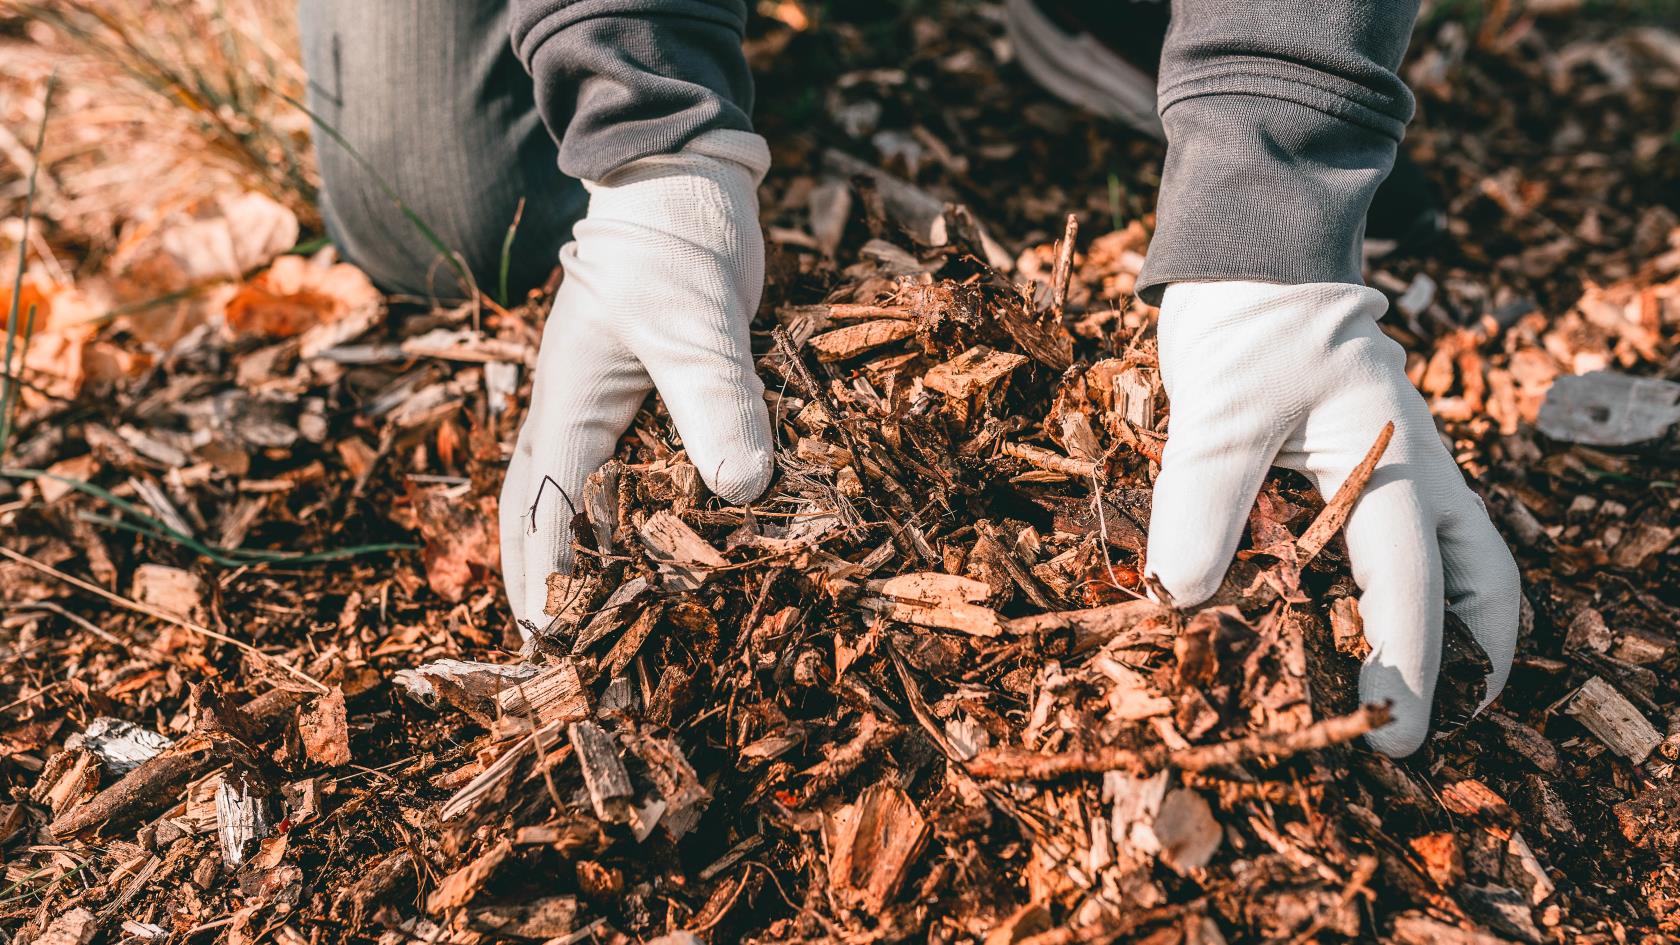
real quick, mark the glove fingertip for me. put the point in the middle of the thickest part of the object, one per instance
(1401, 737)
(741, 478)
(1191, 578)
(1408, 724)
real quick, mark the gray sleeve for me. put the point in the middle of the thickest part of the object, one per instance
(618, 80)
(1282, 117)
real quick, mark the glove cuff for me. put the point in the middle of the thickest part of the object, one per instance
(722, 150)
(739, 147)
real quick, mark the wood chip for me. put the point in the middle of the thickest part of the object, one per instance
(1609, 715)
(685, 559)
(323, 727)
(172, 590)
(929, 599)
(1187, 831)
(872, 844)
(603, 771)
(974, 371)
(555, 694)
(853, 340)
(459, 887)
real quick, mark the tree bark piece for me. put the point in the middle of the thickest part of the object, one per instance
(972, 372)
(685, 559)
(685, 798)
(853, 340)
(1095, 626)
(873, 844)
(930, 599)
(458, 888)
(603, 771)
(556, 694)
(1609, 715)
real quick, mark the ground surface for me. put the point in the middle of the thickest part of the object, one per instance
(911, 694)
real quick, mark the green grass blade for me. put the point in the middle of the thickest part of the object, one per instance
(507, 255)
(11, 385)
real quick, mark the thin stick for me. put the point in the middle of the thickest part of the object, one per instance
(1050, 460)
(1335, 513)
(1062, 274)
(1021, 765)
(161, 614)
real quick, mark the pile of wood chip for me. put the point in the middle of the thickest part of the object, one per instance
(919, 690)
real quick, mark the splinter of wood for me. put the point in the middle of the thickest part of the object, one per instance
(1335, 513)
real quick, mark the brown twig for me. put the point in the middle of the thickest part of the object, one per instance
(1046, 459)
(1335, 513)
(1062, 274)
(1021, 765)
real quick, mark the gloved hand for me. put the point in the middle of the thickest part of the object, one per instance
(661, 281)
(1301, 376)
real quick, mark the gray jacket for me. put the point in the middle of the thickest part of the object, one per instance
(1282, 116)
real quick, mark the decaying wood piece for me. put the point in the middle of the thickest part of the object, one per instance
(151, 785)
(973, 372)
(472, 687)
(1606, 408)
(853, 340)
(604, 776)
(872, 844)
(929, 599)
(540, 919)
(461, 886)
(1096, 625)
(487, 785)
(1609, 715)
(1015, 763)
(1062, 274)
(69, 778)
(1336, 511)
(617, 608)
(1134, 398)
(683, 796)
(600, 503)
(625, 647)
(685, 559)
(555, 694)
(1018, 573)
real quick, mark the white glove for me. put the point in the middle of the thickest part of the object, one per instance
(661, 281)
(1301, 376)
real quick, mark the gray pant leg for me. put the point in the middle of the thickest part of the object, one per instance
(430, 94)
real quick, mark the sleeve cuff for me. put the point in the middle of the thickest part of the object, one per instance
(1265, 189)
(620, 80)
